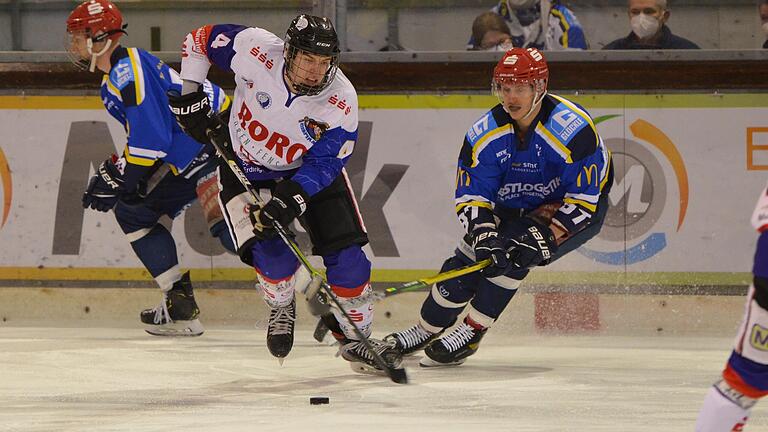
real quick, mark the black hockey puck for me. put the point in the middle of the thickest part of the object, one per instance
(319, 400)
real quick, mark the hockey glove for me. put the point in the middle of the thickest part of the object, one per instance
(531, 243)
(104, 188)
(288, 202)
(488, 243)
(194, 114)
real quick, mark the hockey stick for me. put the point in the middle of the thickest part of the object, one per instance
(321, 329)
(224, 148)
(412, 285)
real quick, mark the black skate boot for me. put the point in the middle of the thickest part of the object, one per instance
(280, 329)
(177, 314)
(361, 359)
(453, 348)
(411, 339)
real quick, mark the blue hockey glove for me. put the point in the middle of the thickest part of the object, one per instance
(193, 112)
(104, 188)
(488, 243)
(289, 200)
(531, 243)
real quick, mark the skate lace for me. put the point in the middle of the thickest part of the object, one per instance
(378, 347)
(457, 338)
(162, 315)
(281, 320)
(413, 336)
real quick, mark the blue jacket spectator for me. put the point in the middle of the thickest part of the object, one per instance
(539, 24)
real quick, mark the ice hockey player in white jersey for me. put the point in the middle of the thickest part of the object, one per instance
(745, 377)
(293, 127)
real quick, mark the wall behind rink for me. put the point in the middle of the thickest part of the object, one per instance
(689, 168)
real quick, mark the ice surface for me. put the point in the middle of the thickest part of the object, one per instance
(113, 379)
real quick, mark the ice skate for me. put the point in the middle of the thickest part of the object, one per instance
(177, 314)
(280, 330)
(453, 348)
(361, 360)
(411, 339)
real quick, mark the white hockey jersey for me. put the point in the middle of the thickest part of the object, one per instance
(274, 132)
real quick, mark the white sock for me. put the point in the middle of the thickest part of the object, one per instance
(720, 414)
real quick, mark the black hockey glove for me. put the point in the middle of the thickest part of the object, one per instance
(104, 188)
(488, 243)
(194, 114)
(531, 243)
(289, 200)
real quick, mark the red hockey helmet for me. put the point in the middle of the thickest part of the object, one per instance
(98, 19)
(522, 66)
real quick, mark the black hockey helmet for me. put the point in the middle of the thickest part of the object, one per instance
(314, 35)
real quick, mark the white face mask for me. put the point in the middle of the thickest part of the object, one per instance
(644, 26)
(765, 28)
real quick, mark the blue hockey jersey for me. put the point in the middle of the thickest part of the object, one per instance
(134, 92)
(560, 159)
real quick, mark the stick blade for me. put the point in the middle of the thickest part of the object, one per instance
(317, 304)
(398, 376)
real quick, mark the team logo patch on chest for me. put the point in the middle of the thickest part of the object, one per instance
(264, 99)
(312, 129)
(267, 147)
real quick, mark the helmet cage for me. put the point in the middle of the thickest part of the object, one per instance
(292, 68)
(97, 21)
(522, 66)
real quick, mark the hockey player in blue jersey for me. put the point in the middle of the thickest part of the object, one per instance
(744, 380)
(293, 127)
(161, 171)
(532, 185)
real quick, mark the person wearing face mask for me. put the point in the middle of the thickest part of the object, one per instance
(648, 19)
(764, 19)
(540, 24)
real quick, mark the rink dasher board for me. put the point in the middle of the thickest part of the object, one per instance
(698, 200)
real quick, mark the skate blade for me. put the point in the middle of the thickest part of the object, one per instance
(366, 369)
(427, 362)
(177, 329)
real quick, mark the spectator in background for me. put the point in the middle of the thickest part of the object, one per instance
(648, 19)
(764, 19)
(540, 24)
(490, 33)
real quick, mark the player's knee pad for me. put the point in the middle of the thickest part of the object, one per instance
(490, 300)
(333, 220)
(447, 299)
(135, 220)
(348, 270)
(454, 293)
(273, 258)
